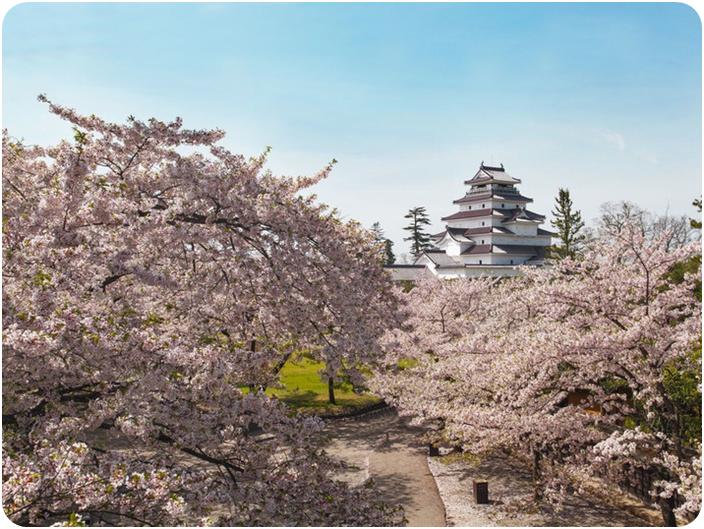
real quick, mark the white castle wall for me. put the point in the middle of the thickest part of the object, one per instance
(527, 230)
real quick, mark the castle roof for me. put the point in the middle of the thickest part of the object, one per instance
(471, 214)
(516, 249)
(501, 195)
(442, 260)
(510, 214)
(478, 249)
(487, 174)
(484, 230)
(439, 258)
(457, 234)
(523, 214)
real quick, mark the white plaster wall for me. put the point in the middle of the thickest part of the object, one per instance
(453, 248)
(476, 271)
(521, 240)
(473, 260)
(469, 223)
(490, 203)
(507, 260)
(524, 229)
(504, 204)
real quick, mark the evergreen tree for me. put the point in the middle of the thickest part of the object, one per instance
(568, 223)
(420, 240)
(388, 257)
(377, 232)
(697, 224)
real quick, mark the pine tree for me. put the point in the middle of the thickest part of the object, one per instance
(568, 223)
(420, 240)
(388, 257)
(697, 224)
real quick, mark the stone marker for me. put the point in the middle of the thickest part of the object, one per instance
(481, 491)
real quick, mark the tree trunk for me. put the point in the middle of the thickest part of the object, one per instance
(331, 392)
(667, 508)
(537, 492)
(667, 505)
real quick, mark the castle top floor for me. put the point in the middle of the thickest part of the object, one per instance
(492, 176)
(492, 187)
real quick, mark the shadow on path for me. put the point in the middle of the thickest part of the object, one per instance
(389, 451)
(510, 487)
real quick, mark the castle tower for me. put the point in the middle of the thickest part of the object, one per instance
(491, 234)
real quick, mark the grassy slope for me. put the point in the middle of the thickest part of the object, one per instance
(305, 390)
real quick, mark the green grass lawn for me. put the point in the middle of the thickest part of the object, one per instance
(305, 391)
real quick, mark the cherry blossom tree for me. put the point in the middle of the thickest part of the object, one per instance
(631, 326)
(572, 367)
(468, 360)
(142, 288)
(675, 230)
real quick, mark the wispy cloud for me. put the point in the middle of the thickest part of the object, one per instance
(612, 137)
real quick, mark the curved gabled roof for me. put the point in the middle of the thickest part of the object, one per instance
(524, 214)
(457, 235)
(488, 175)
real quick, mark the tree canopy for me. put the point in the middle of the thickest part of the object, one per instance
(142, 288)
(588, 368)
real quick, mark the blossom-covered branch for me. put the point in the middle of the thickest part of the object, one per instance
(142, 288)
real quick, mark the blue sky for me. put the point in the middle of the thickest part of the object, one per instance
(604, 99)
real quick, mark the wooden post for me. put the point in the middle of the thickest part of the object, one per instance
(481, 491)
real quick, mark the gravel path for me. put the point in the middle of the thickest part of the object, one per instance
(383, 447)
(435, 494)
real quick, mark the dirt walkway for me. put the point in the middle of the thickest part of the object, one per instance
(384, 448)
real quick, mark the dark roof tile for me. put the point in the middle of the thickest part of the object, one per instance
(479, 249)
(521, 212)
(475, 213)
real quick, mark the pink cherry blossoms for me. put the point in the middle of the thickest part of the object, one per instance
(142, 288)
(572, 368)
